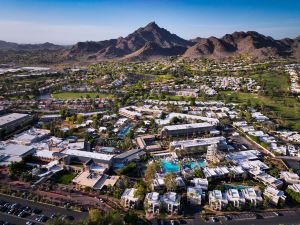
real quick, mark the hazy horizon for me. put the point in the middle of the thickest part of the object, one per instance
(67, 22)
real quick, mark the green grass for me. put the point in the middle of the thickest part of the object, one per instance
(163, 78)
(77, 164)
(76, 95)
(64, 177)
(285, 110)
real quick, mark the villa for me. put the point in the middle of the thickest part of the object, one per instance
(200, 183)
(252, 197)
(128, 198)
(215, 173)
(198, 144)
(158, 182)
(217, 200)
(172, 202)
(153, 202)
(295, 187)
(290, 178)
(235, 197)
(266, 178)
(276, 196)
(195, 195)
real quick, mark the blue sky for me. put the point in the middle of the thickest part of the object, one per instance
(69, 21)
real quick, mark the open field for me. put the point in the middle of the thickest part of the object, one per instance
(285, 110)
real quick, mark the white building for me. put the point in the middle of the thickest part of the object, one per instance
(200, 183)
(186, 129)
(195, 195)
(266, 178)
(252, 196)
(235, 197)
(276, 196)
(290, 178)
(172, 202)
(217, 200)
(295, 187)
(153, 202)
(128, 198)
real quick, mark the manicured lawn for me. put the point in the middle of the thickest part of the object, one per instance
(284, 108)
(75, 95)
(162, 78)
(64, 177)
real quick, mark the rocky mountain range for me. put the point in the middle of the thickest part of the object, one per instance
(6, 46)
(153, 42)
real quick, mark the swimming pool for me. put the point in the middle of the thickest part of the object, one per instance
(237, 187)
(168, 166)
(124, 131)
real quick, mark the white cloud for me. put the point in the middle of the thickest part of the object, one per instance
(35, 32)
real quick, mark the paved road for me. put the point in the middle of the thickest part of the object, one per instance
(287, 218)
(47, 210)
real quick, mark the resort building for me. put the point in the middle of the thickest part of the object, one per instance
(126, 157)
(14, 153)
(238, 157)
(158, 182)
(12, 121)
(238, 172)
(172, 202)
(266, 178)
(295, 187)
(252, 196)
(235, 197)
(195, 195)
(215, 173)
(187, 93)
(186, 129)
(31, 136)
(90, 179)
(290, 178)
(276, 196)
(152, 202)
(212, 154)
(148, 143)
(70, 155)
(128, 198)
(217, 200)
(254, 165)
(198, 145)
(131, 114)
(200, 183)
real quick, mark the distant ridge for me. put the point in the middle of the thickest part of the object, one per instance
(154, 42)
(5, 46)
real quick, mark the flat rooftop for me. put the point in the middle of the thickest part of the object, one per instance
(187, 126)
(15, 149)
(92, 155)
(11, 117)
(198, 142)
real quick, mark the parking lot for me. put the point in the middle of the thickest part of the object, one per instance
(21, 211)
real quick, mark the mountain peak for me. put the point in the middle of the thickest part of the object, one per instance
(152, 25)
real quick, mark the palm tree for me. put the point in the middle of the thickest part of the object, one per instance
(231, 175)
(170, 181)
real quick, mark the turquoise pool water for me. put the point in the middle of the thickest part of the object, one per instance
(174, 167)
(169, 166)
(237, 187)
(124, 131)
